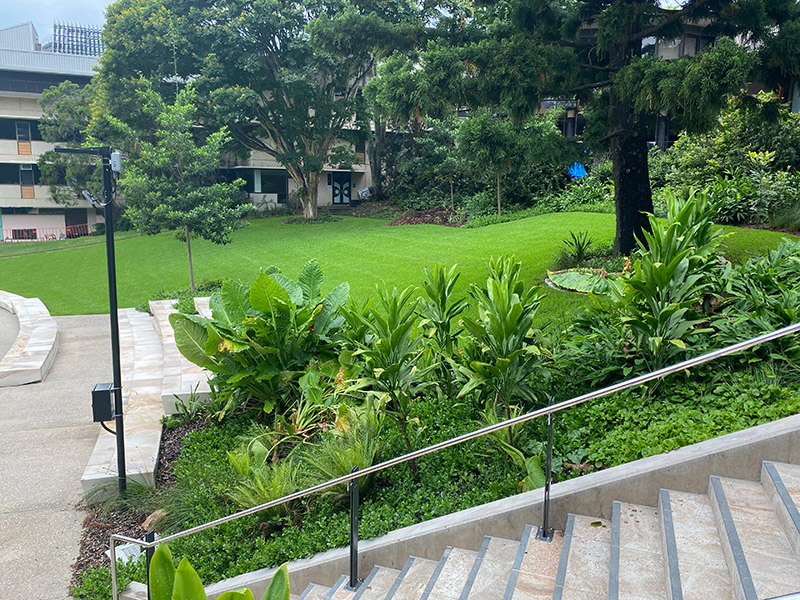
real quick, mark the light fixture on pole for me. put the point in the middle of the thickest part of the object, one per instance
(102, 407)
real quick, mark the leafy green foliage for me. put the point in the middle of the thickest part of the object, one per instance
(260, 338)
(635, 424)
(502, 352)
(172, 182)
(183, 583)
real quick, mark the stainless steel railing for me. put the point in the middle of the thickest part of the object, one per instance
(548, 410)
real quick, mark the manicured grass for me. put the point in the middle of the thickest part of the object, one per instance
(8, 249)
(744, 243)
(364, 252)
(361, 251)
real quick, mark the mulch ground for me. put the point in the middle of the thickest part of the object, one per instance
(433, 216)
(99, 524)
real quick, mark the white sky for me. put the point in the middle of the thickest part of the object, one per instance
(44, 13)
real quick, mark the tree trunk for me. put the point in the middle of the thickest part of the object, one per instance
(632, 195)
(499, 211)
(309, 198)
(376, 158)
(189, 256)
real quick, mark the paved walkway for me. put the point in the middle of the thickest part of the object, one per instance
(46, 438)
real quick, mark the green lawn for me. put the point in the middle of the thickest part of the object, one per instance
(361, 251)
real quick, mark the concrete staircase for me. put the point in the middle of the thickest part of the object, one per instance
(740, 541)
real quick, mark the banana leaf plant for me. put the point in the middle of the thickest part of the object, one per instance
(183, 583)
(261, 338)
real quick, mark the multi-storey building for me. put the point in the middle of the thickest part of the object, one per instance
(26, 211)
(26, 70)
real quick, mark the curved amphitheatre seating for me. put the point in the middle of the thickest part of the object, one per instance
(34, 350)
(141, 358)
(183, 380)
(154, 377)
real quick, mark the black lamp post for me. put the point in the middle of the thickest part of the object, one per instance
(103, 391)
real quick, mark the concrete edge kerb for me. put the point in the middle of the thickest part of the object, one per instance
(736, 455)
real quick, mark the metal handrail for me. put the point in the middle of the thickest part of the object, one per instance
(548, 410)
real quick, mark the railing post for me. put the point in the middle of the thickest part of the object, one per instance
(354, 533)
(113, 557)
(150, 536)
(545, 533)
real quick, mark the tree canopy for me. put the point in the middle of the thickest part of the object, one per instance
(283, 76)
(512, 55)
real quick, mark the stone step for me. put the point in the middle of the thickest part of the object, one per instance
(533, 575)
(413, 578)
(202, 306)
(377, 584)
(142, 372)
(585, 557)
(636, 567)
(490, 572)
(782, 484)
(756, 548)
(695, 563)
(184, 382)
(314, 592)
(450, 576)
(340, 590)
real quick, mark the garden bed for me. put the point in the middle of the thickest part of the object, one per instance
(433, 216)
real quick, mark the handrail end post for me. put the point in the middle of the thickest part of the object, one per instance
(354, 581)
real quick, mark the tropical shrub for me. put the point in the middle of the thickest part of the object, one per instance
(501, 353)
(261, 337)
(390, 356)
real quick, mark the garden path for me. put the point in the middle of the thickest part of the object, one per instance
(47, 437)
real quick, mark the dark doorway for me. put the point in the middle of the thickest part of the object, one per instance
(340, 187)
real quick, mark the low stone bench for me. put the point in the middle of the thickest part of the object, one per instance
(142, 372)
(35, 348)
(183, 380)
(201, 305)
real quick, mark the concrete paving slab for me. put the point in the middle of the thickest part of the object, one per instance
(48, 436)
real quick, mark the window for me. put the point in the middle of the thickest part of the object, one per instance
(26, 174)
(9, 174)
(23, 131)
(361, 144)
(23, 234)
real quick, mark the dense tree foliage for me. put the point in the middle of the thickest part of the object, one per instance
(172, 181)
(283, 76)
(512, 55)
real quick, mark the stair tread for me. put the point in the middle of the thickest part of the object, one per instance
(583, 568)
(701, 564)
(490, 572)
(753, 525)
(639, 571)
(377, 584)
(412, 580)
(314, 591)
(451, 575)
(340, 590)
(781, 481)
(534, 574)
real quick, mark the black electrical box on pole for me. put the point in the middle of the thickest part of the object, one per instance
(101, 391)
